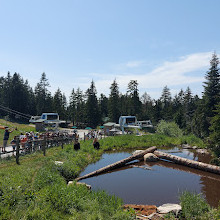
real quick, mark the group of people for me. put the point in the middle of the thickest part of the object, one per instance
(26, 138)
(91, 135)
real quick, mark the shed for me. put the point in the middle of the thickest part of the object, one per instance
(108, 126)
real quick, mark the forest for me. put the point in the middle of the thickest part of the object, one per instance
(193, 114)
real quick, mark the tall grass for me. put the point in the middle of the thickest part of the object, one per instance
(194, 206)
(37, 189)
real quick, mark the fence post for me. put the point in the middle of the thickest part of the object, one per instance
(44, 146)
(17, 150)
(62, 140)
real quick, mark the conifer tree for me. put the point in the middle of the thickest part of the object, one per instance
(166, 101)
(211, 95)
(215, 131)
(43, 96)
(134, 100)
(103, 103)
(92, 108)
(114, 104)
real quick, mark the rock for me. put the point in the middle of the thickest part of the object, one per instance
(84, 184)
(150, 157)
(80, 183)
(58, 163)
(186, 146)
(202, 151)
(143, 209)
(70, 182)
(194, 147)
(166, 208)
(155, 216)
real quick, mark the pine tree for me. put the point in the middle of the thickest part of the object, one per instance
(215, 131)
(59, 104)
(166, 101)
(134, 100)
(113, 104)
(43, 96)
(103, 103)
(80, 114)
(212, 86)
(72, 106)
(147, 107)
(211, 95)
(93, 117)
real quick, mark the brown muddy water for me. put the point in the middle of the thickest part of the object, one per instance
(162, 184)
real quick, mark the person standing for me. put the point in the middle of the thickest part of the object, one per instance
(6, 137)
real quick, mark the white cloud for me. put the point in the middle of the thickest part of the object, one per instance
(176, 73)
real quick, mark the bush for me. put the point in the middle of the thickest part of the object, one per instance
(193, 205)
(170, 129)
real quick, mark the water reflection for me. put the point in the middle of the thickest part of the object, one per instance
(162, 184)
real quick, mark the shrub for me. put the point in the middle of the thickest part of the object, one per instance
(170, 129)
(193, 205)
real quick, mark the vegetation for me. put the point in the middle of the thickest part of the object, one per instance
(170, 129)
(194, 206)
(37, 189)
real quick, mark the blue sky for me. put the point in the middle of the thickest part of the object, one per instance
(156, 42)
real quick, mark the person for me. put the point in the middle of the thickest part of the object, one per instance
(6, 137)
(96, 144)
(76, 142)
(13, 144)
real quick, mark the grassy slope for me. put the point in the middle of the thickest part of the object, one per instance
(37, 188)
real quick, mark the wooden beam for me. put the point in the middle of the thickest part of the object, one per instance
(117, 164)
(189, 163)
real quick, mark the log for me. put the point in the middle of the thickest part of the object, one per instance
(188, 162)
(117, 164)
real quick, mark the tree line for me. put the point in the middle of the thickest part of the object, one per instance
(193, 114)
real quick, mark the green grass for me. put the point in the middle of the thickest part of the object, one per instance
(37, 188)
(194, 206)
(132, 141)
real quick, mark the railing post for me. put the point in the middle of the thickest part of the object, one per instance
(62, 140)
(44, 146)
(17, 150)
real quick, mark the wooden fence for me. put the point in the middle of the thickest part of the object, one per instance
(42, 144)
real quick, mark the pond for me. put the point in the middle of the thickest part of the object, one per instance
(163, 183)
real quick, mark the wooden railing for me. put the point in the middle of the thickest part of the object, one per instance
(42, 144)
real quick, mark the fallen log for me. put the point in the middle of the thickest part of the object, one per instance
(117, 164)
(188, 162)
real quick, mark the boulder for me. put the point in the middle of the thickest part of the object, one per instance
(186, 146)
(143, 209)
(80, 183)
(58, 163)
(150, 157)
(166, 208)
